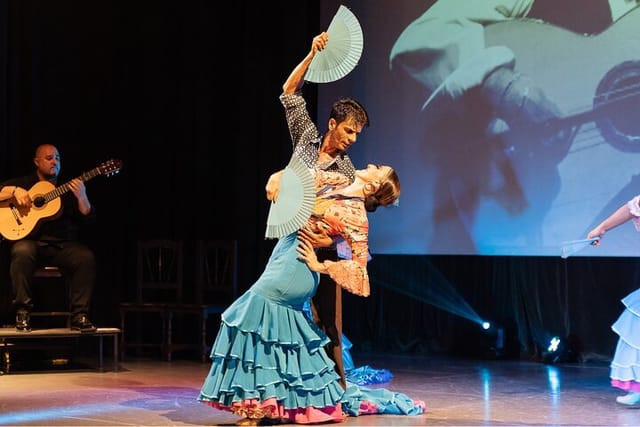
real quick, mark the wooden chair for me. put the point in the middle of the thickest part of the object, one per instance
(159, 282)
(216, 287)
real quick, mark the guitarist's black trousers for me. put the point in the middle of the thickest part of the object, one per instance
(75, 260)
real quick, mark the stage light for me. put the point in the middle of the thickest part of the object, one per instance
(554, 344)
(555, 351)
(561, 350)
(496, 339)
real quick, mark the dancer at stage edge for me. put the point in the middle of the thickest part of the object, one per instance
(268, 359)
(625, 365)
(326, 151)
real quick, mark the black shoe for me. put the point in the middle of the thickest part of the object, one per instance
(82, 323)
(23, 323)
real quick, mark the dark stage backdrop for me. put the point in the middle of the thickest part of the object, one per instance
(186, 95)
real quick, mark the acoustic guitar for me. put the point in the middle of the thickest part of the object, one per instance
(16, 222)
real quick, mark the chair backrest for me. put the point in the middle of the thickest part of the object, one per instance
(159, 271)
(216, 271)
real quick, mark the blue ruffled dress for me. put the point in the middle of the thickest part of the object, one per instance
(625, 365)
(268, 359)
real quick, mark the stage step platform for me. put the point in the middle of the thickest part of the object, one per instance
(13, 343)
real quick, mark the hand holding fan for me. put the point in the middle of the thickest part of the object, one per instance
(570, 247)
(342, 52)
(295, 200)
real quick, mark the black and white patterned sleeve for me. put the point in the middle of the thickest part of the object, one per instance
(301, 127)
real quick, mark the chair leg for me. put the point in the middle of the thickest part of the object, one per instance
(167, 336)
(203, 342)
(123, 345)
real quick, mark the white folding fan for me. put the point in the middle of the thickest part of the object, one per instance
(342, 52)
(295, 201)
(570, 247)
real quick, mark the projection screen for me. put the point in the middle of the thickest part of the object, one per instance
(513, 124)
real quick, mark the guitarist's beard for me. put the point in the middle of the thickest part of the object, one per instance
(51, 177)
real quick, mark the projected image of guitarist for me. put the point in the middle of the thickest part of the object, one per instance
(496, 129)
(40, 220)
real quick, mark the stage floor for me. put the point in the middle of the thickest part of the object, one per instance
(457, 393)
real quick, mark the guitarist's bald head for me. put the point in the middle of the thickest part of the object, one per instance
(43, 149)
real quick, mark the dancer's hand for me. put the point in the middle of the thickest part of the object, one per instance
(273, 186)
(599, 232)
(318, 236)
(308, 254)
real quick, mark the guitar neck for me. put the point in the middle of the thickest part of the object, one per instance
(62, 189)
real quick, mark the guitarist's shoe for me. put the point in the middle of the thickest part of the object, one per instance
(82, 323)
(23, 323)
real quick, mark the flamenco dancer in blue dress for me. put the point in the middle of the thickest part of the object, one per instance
(268, 360)
(625, 365)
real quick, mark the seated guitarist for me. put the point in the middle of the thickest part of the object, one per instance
(53, 239)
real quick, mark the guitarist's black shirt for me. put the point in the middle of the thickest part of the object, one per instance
(65, 224)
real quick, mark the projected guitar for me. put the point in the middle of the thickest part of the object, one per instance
(16, 222)
(593, 78)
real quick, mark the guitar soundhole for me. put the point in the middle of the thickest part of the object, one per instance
(617, 97)
(39, 202)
